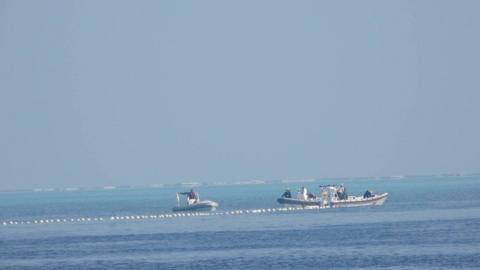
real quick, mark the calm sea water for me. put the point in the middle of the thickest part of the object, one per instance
(426, 223)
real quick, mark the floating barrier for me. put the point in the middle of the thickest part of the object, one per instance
(125, 218)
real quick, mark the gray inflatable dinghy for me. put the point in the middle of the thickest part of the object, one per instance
(194, 203)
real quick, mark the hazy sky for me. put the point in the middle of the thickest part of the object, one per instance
(99, 93)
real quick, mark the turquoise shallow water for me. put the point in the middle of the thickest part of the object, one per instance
(426, 223)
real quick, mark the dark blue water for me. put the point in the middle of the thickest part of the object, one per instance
(426, 223)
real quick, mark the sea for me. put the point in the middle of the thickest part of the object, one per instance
(427, 222)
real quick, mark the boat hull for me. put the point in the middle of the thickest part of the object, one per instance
(197, 207)
(298, 202)
(378, 199)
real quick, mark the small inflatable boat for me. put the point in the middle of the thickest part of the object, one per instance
(194, 203)
(198, 206)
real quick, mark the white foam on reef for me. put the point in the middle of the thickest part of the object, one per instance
(160, 216)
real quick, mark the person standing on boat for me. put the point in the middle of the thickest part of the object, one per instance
(287, 194)
(192, 196)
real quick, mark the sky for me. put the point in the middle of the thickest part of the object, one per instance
(96, 93)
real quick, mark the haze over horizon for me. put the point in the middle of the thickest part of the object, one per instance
(140, 93)
(198, 184)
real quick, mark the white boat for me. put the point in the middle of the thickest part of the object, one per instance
(332, 196)
(194, 203)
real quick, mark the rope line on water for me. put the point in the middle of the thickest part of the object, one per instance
(119, 218)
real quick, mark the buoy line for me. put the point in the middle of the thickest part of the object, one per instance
(118, 218)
